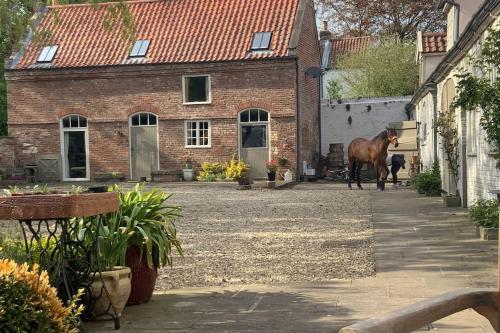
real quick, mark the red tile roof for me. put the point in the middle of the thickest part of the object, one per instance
(179, 30)
(343, 46)
(433, 42)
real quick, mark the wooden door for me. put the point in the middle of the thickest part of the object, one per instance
(143, 148)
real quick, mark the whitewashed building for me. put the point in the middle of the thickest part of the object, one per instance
(468, 22)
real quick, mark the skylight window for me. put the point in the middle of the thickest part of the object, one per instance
(48, 53)
(261, 41)
(140, 48)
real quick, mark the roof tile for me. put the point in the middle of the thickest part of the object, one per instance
(433, 42)
(179, 31)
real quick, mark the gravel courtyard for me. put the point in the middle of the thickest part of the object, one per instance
(312, 232)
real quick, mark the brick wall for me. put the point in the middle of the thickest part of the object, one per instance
(8, 154)
(308, 53)
(108, 96)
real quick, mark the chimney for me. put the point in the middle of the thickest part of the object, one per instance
(324, 33)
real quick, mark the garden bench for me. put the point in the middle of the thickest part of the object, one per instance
(166, 175)
(486, 302)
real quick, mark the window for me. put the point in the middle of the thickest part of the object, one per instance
(48, 53)
(140, 48)
(198, 134)
(472, 133)
(197, 89)
(144, 119)
(253, 116)
(74, 121)
(261, 41)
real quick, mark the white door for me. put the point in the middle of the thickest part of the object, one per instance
(254, 141)
(144, 151)
(74, 148)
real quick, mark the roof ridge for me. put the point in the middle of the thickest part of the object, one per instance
(442, 33)
(71, 5)
(353, 37)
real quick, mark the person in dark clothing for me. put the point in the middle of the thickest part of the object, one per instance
(396, 161)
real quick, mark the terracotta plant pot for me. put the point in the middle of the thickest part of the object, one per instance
(143, 276)
(117, 283)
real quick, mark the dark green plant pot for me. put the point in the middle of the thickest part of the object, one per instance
(452, 201)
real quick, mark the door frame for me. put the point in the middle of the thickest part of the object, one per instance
(63, 130)
(130, 141)
(268, 132)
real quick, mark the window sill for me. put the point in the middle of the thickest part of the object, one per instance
(197, 147)
(197, 103)
(472, 154)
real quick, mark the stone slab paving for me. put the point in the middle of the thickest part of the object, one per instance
(422, 249)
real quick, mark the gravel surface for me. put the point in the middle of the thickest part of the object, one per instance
(312, 232)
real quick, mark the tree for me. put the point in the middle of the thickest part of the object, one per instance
(350, 17)
(387, 68)
(333, 88)
(395, 18)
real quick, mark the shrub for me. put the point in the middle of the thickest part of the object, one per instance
(30, 304)
(210, 171)
(485, 213)
(236, 169)
(15, 249)
(428, 182)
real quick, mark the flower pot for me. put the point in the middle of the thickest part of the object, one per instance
(187, 174)
(452, 201)
(143, 276)
(244, 180)
(271, 176)
(117, 284)
(488, 233)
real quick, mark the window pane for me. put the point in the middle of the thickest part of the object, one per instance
(144, 48)
(51, 53)
(74, 122)
(244, 117)
(266, 39)
(254, 115)
(136, 48)
(253, 136)
(135, 120)
(263, 115)
(83, 122)
(152, 119)
(143, 119)
(43, 54)
(66, 122)
(197, 89)
(257, 39)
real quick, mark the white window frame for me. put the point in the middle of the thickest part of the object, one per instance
(186, 122)
(472, 132)
(47, 54)
(62, 130)
(184, 90)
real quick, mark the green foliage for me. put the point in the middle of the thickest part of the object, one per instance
(485, 213)
(236, 169)
(29, 304)
(428, 182)
(150, 222)
(15, 249)
(211, 171)
(385, 69)
(447, 129)
(333, 89)
(283, 161)
(480, 91)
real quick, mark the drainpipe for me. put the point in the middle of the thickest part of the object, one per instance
(434, 127)
(297, 121)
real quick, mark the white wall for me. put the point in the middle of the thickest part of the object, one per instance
(366, 124)
(424, 116)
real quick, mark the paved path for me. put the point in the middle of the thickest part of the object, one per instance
(422, 249)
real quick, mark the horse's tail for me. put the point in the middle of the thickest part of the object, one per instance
(352, 167)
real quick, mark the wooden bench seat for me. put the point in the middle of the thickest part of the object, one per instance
(166, 176)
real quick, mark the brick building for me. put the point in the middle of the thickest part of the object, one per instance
(205, 79)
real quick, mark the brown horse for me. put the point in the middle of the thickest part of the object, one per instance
(373, 151)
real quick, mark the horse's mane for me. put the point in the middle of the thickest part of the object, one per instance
(381, 135)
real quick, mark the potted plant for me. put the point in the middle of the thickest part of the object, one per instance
(187, 171)
(237, 169)
(154, 235)
(484, 213)
(272, 167)
(110, 270)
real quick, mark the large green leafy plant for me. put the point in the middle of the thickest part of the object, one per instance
(151, 221)
(485, 213)
(481, 89)
(428, 182)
